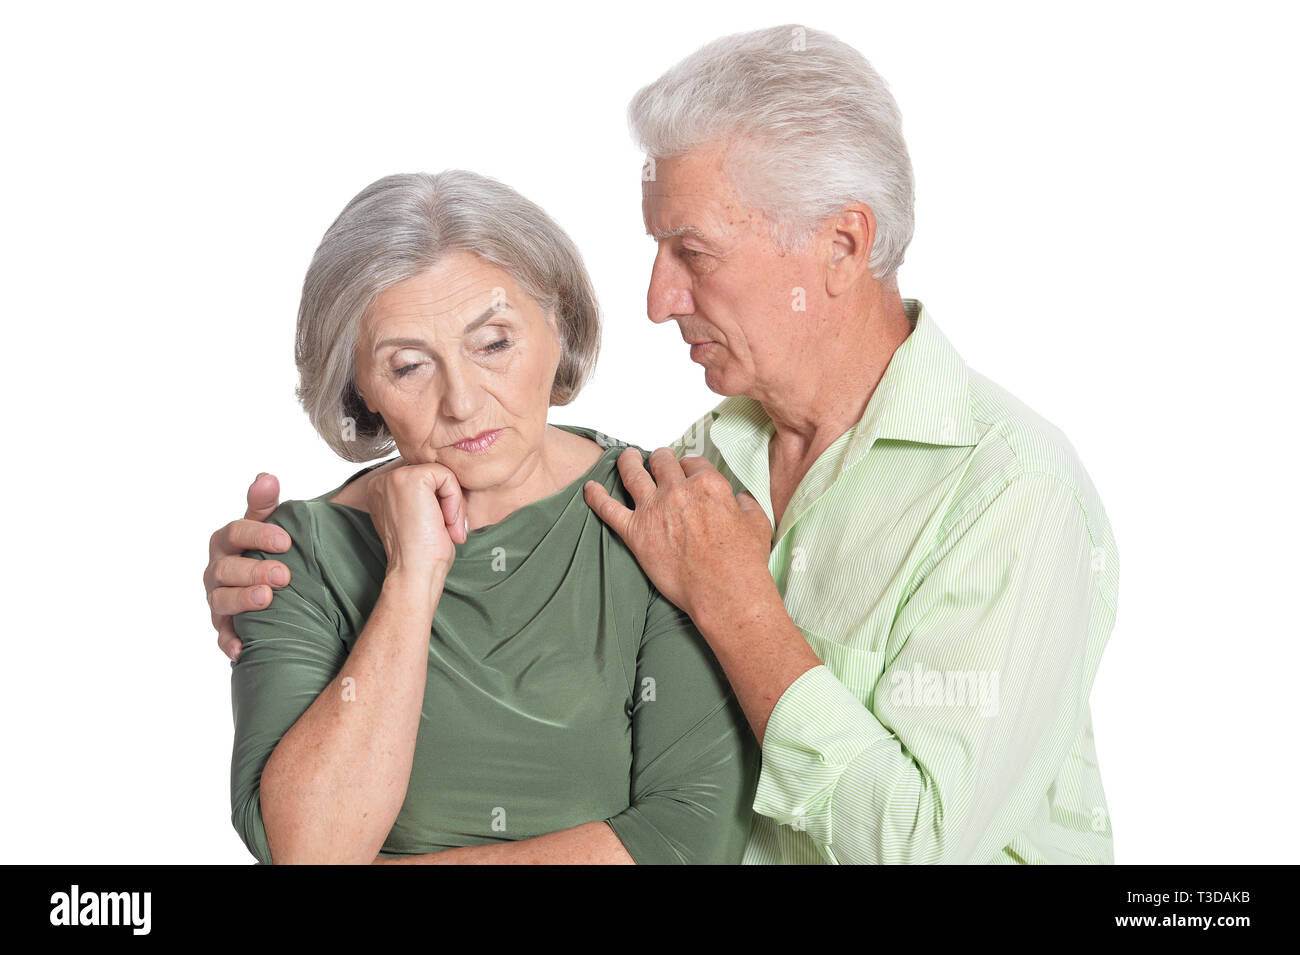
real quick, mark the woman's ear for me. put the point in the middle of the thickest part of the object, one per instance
(554, 322)
(370, 405)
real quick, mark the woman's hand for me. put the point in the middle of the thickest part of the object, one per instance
(419, 512)
(336, 781)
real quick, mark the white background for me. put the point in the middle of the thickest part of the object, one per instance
(1105, 225)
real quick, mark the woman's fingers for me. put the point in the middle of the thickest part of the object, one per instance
(452, 500)
(419, 530)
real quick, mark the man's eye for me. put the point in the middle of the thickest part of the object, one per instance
(501, 344)
(405, 370)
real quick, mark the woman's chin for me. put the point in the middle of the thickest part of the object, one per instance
(476, 472)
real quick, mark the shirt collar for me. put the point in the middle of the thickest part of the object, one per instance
(923, 397)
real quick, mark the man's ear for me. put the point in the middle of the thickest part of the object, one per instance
(852, 235)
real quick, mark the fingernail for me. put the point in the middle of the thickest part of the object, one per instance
(259, 594)
(260, 475)
(279, 575)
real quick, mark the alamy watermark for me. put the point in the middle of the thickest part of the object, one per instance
(957, 688)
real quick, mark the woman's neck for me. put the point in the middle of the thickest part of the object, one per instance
(562, 458)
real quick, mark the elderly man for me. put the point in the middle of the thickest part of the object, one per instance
(905, 573)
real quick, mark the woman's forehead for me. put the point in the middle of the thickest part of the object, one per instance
(456, 297)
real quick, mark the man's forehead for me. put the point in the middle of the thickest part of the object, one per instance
(673, 209)
(703, 215)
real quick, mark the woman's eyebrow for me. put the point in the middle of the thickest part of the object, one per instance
(421, 343)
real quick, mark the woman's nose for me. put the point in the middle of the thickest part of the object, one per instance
(461, 394)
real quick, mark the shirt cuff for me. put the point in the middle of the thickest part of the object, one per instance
(816, 729)
(642, 839)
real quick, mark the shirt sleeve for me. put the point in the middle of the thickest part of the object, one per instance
(952, 751)
(694, 759)
(292, 650)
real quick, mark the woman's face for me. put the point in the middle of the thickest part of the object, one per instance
(456, 353)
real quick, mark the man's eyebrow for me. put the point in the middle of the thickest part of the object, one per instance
(674, 233)
(420, 342)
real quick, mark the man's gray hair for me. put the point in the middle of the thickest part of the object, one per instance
(813, 125)
(398, 227)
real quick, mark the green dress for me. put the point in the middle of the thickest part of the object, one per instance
(562, 687)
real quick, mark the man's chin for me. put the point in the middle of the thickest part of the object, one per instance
(717, 382)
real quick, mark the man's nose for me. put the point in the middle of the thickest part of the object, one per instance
(669, 294)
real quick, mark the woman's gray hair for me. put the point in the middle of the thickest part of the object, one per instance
(814, 126)
(397, 228)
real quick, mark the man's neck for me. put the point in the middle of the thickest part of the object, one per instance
(828, 392)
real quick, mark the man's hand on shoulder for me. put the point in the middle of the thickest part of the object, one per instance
(702, 546)
(235, 583)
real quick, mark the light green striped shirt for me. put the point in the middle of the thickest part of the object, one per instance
(949, 561)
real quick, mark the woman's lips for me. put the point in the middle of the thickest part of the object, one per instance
(479, 443)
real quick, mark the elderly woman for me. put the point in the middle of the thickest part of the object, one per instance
(467, 665)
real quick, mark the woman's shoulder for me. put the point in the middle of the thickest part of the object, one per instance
(352, 492)
(316, 527)
(604, 465)
(605, 441)
(295, 517)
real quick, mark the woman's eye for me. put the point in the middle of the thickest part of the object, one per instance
(491, 348)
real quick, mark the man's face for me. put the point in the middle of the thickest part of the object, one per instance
(718, 274)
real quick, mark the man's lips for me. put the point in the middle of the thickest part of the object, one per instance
(699, 346)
